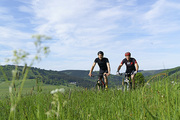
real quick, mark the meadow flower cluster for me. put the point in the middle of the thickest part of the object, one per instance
(174, 83)
(56, 104)
(62, 90)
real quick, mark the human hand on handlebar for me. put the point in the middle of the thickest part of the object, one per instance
(90, 74)
(135, 72)
(117, 73)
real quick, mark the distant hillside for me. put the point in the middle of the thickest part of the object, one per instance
(173, 74)
(84, 74)
(151, 72)
(172, 71)
(77, 77)
(47, 76)
(113, 79)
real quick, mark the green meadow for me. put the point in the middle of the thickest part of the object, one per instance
(30, 87)
(159, 100)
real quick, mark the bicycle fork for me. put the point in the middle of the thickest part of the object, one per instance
(101, 83)
(125, 85)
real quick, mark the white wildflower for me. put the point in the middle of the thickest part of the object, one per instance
(89, 115)
(174, 83)
(148, 84)
(48, 114)
(10, 89)
(53, 103)
(13, 107)
(52, 92)
(64, 103)
(119, 89)
(56, 90)
(14, 72)
(62, 90)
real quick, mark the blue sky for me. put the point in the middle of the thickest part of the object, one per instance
(149, 29)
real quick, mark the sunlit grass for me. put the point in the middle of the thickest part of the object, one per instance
(160, 100)
(29, 87)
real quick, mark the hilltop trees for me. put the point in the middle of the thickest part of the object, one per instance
(139, 79)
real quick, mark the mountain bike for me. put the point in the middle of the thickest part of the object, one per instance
(100, 84)
(126, 83)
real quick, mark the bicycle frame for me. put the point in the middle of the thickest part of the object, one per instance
(100, 83)
(126, 84)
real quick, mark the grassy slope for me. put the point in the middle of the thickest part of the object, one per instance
(170, 73)
(158, 101)
(29, 84)
(151, 72)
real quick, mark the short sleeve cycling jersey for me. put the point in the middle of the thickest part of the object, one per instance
(102, 63)
(130, 65)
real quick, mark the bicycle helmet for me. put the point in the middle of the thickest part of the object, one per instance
(100, 52)
(127, 54)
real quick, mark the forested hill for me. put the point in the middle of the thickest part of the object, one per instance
(173, 73)
(47, 76)
(151, 72)
(77, 77)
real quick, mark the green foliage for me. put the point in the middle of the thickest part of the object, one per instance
(41, 50)
(139, 79)
(170, 73)
(151, 72)
(18, 56)
(160, 100)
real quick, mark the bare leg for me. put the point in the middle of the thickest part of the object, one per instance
(133, 81)
(106, 82)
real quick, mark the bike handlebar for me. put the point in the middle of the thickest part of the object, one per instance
(120, 74)
(94, 75)
(128, 73)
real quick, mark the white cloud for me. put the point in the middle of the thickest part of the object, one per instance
(81, 28)
(3, 16)
(78, 23)
(25, 9)
(162, 17)
(11, 37)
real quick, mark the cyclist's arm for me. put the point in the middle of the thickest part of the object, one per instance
(92, 68)
(109, 69)
(137, 67)
(119, 67)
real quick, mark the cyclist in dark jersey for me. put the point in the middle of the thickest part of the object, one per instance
(104, 67)
(131, 67)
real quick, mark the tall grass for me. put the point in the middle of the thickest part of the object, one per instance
(20, 56)
(160, 100)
